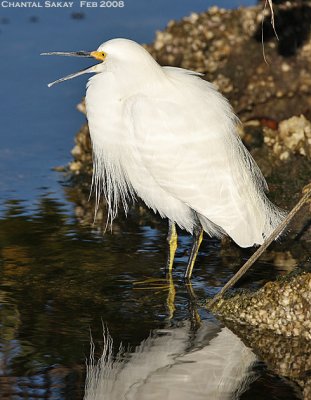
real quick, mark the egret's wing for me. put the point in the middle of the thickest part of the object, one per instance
(190, 148)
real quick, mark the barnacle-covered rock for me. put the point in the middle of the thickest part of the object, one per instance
(283, 306)
(259, 79)
(289, 357)
(293, 136)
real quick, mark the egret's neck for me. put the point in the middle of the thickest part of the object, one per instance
(108, 93)
(131, 77)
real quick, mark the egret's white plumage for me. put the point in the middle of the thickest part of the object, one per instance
(167, 136)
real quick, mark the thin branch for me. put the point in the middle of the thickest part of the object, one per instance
(272, 17)
(262, 248)
(269, 2)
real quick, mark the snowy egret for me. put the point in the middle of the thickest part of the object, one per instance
(169, 137)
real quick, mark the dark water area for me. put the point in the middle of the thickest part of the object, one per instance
(61, 280)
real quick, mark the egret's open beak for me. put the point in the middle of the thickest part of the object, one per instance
(100, 56)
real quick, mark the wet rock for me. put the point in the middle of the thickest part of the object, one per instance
(286, 357)
(82, 153)
(283, 306)
(292, 137)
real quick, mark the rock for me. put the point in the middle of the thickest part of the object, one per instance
(82, 153)
(289, 357)
(283, 306)
(292, 137)
(226, 45)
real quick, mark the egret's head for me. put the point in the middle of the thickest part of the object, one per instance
(115, 52)
(125, 53)
(97, 55)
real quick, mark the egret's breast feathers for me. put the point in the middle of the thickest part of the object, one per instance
(108, 131)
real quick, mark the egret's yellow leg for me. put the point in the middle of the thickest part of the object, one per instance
(172, 245)
(170, 301)
(198, 237)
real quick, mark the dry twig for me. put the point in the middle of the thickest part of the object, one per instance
(262, 248)
(269, 2)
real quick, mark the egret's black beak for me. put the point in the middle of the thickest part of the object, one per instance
(100, 56)
(81, 53)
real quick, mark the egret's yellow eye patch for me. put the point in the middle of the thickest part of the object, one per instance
(99, 55)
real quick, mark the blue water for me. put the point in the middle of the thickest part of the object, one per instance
(38, 124)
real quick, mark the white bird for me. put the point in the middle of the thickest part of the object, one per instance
(173, 364)
(169, 137)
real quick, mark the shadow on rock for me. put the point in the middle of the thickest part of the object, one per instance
(292, 24)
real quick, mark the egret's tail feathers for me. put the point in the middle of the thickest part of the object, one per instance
(274, 217)
(257, 225)
(210, 228)
(258, 216)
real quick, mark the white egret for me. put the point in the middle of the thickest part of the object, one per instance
(169, 137)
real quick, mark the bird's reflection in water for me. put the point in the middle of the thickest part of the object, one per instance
(174, 363)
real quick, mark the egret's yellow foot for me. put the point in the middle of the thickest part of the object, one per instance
(151, 280)
(198, 237)
(152, 284)
(158, 285)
